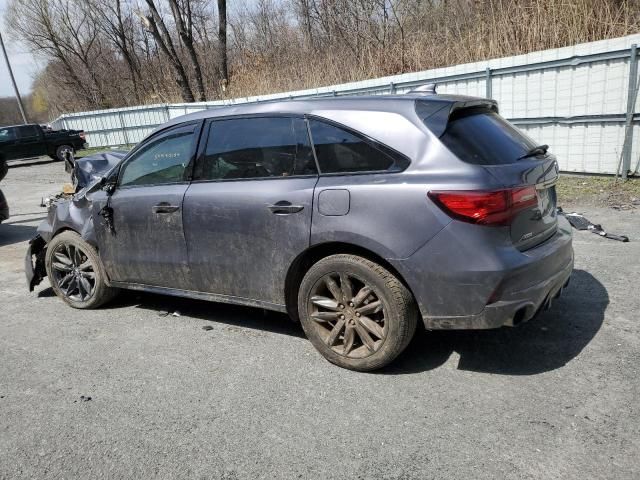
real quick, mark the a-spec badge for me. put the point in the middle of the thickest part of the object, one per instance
(526, 236)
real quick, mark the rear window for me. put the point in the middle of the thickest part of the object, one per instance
(482, 137)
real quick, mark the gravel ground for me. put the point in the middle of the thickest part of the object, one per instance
(129, 391)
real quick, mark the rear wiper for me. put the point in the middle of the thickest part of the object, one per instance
(539, 150)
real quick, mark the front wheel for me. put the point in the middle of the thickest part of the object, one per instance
(76, 273)
(62, 151)
(355, 312)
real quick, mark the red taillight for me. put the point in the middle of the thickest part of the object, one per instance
(495, 207)
(82, 135)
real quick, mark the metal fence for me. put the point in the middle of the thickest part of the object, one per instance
(581, 100)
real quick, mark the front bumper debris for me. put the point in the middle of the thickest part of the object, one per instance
(34, 268)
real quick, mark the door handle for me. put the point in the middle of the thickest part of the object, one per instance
(165, 207)
(285, 208)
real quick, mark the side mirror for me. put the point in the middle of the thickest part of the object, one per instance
(108, 184)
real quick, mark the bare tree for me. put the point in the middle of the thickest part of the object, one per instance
(181, 10)
(58, 29)
(156, 26)
(222, 43)
(99, 55)
(116, 23)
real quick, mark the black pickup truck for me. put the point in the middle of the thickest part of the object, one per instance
(29, 141)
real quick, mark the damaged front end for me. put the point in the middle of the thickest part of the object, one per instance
(70, 210)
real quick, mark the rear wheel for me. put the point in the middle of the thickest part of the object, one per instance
(76, 273)
(356, 313)
(62, 151)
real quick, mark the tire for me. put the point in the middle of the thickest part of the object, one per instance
(60, 151)
(343, 293)
(4, 168)
(76, 273)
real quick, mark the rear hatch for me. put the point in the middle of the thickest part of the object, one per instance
(481, 137)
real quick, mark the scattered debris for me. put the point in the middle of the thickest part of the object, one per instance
(83, 398)
(176, 314)
(580, 222)
(207, 327)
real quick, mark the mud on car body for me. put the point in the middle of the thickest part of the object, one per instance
(357, 216)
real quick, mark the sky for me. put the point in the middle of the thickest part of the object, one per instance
(23, 63)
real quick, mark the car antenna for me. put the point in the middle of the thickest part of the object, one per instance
(426, 89)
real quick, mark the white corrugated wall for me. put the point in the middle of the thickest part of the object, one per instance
(558, 99)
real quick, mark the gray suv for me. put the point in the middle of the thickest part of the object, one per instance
(356, 216)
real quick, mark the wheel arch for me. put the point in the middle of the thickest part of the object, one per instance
(300, 266)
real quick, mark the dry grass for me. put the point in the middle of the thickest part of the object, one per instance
(574, 191)
(448, 34)
(281, 45)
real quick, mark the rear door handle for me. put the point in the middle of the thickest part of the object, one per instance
(165, 207)
(285, 208)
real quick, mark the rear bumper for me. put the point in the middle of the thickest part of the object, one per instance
(508, 313)
(471, 277)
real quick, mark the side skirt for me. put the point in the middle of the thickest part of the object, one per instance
(211, 297)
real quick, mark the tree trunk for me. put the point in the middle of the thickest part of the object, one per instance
(185, 30)
(162, 37)
(222, 43)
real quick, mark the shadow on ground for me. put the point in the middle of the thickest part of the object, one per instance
(14, 221)
(245, 317)
(30, 163)
(10, 233)
(545, 343)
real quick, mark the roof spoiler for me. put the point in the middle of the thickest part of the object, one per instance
(435, 113)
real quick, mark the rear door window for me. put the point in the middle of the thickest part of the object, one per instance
(342, 151)
(27, 131)
(260, 147)
(482, 137)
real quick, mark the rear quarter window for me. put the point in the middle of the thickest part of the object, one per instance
(482, 137)
(341, 151)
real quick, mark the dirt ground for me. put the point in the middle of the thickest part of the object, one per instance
(132, 391)
(580, 191)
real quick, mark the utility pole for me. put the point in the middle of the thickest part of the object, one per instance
(13, 81)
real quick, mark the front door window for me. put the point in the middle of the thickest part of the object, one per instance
(161, 161)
